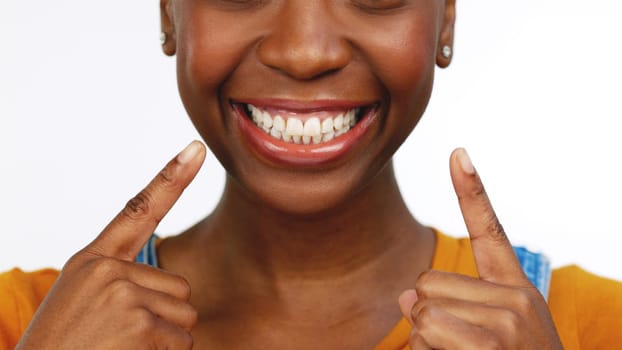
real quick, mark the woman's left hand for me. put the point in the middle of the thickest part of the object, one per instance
(499, 310)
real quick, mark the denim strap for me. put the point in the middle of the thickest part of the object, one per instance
(148, 255)
(537, 268)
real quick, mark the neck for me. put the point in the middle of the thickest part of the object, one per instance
(268, 265)
(358, 236)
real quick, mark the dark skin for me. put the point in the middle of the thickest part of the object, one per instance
(296, 256)
(318, 249)
(308, 284)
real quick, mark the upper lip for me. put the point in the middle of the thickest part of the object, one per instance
(304, 106)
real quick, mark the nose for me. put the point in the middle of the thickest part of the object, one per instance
(304, 42)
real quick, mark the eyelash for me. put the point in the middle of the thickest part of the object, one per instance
(241, 4)
(370, 6)
(378, 5)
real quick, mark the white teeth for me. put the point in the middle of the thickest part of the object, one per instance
(351, 113)
(294, 127)
(338, 123)
(346, 120)
(328, 136)
(353, 117)
(313, 130)
(275, 133)
(267, 121)
(327, 125)
(279, 123)
(312, 127)
(256, 113)
(349, 119)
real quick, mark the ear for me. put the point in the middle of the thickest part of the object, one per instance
(167, 25)
(446, 37)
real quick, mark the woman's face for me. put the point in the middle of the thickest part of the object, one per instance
(304, 102)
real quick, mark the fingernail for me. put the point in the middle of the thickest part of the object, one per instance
(465, 162)
(189, 152)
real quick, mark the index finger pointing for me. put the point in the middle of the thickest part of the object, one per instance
(494, 255)
(131, 228)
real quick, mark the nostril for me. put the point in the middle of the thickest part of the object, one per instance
(304, 58)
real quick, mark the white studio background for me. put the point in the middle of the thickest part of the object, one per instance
(89, 112)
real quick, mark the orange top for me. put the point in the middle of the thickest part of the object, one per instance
(587, 309)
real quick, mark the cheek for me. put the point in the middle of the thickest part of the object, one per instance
(400, 52)
(407, 73)
(405, 66)
(205, 56)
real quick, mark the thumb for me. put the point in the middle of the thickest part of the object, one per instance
(494, 255)
(407, 301)
(131, 228)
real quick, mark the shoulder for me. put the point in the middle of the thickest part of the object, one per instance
(20, 295)
(587, 309)
(33, 283)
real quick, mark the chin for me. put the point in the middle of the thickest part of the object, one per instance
(304, 195)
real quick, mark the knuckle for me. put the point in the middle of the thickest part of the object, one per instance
(166, 177)
(420, 305)
(479, 192)
(522, 299)
(184, 288)
(511, 321)
(104, 267)
(493, 226)
(74, 262)
(192, 317)
(424, 283)
(122, 291)
(143, 322)
(139, 207)
(424, 318)
(414, 312)
(494, 231)
(187, 315)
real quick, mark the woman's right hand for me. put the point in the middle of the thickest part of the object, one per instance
(103, 300)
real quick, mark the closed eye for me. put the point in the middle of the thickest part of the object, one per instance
(238, 4)
(379, 5)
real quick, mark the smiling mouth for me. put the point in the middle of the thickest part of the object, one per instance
(305, 127)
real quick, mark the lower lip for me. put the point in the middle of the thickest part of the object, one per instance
(297, 154)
